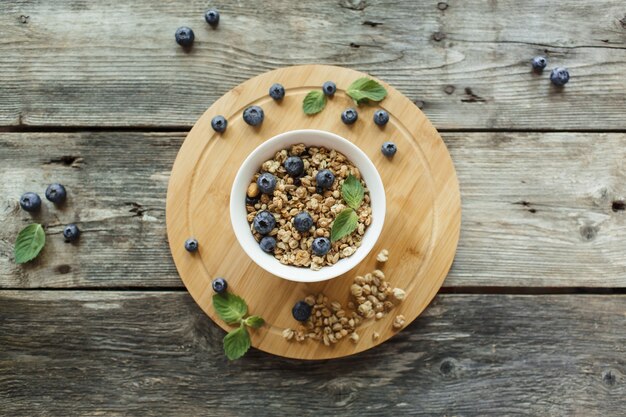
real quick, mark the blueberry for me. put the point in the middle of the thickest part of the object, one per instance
(56, 193)
(268, 244)
(266, 183)
(301, 311)
(381, 117)
(349, 116)
(329, 88)
(297, 183)
(219, 124)
(253, 115)
(71, 232)
(219, 285)
(30, 202)
(539, 63)
(277, 91)
(212, 17)
(264, 222)
(559, 76)
(320, 246)
(184, 36)
(389, 149)
(294, 166)
(251, 201)
(191, 244)
(324, 178)
(303, 221)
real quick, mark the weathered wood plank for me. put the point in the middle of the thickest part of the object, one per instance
(466, 63)
(117, 185)
(111, 353)
(538, 209)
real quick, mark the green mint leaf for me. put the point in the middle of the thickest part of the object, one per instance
(352, 191)
(30, 241)
(236, 343)
(230, 307)
(365, 89)
(254, 321)
(358, 97)
(345, 223)
(314, 102)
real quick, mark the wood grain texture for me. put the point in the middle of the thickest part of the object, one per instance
(421, 246)
(126, 353)
(74, 63)
(538, 209)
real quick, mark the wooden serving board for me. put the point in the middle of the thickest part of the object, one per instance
(421, 226)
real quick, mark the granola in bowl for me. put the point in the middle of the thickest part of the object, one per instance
(301, 188)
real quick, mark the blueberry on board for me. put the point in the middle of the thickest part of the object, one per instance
(264, 222)
(301, 311)
(294, 166)
(389, 149)
(320, 246)
(349, 116)
(219, 123)
(381, 117)
(266, 183)
(56, 193)
(277, 91)
(71, 232)
(559, 76)
(30, 202)
(184, 36)
(191, 245)
(324, 179)
(253, 115)
(329, 88)
(212, 17)
(539, 63)
(303, 221)
(268, 244)
(219, 285)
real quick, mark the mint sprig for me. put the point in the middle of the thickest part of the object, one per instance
(254, 321)
(365, 89)
(347, 221)
(230, 307)
(30, 241)
(314, 102)
(237, 343)
(233, 310)
(352, 191)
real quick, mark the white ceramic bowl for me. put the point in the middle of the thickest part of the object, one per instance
(266, 151)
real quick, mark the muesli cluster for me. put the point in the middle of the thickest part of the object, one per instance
(328, 321)
(293, 201)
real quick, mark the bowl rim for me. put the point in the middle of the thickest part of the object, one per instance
(241, 227)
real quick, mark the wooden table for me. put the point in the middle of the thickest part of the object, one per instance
(532, 317)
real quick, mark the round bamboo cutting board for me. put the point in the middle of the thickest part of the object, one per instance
(421, 228)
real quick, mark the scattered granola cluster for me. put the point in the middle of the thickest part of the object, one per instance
(373, 293)
(288, 187)
(383, 256)
(330, 322)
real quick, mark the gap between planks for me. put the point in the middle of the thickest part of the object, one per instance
(444, 290)
(186, 129)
